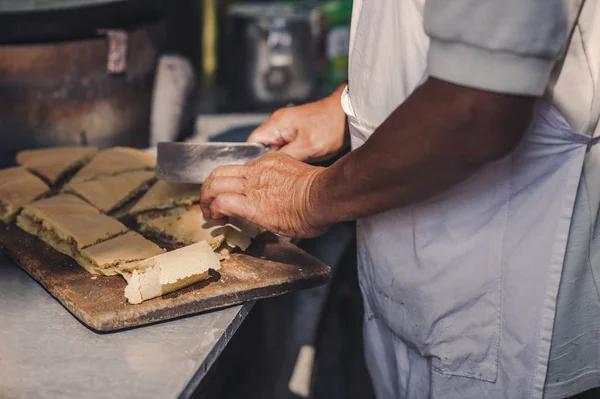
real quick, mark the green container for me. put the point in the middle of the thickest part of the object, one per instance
(336, 17)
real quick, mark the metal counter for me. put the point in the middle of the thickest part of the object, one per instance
(46, 353)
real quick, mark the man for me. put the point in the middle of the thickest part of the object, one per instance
(474, 179)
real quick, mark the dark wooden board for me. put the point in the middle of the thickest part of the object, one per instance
(270, 267)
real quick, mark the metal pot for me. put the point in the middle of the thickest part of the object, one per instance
(271, 53)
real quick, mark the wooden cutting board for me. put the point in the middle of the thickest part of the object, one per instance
(270, 267)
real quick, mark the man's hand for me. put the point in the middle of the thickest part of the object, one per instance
(310, 132)
(272, 192)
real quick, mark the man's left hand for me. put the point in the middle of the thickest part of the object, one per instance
(273, 192)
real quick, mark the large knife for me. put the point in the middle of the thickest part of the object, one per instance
(194, 162)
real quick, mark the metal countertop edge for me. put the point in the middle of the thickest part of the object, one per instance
(215, 352)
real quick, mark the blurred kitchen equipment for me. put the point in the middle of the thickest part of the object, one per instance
(335, 42)
(209, 40)
(95, 90)
(194, 162)
(210, 126)
(271, 56)
(173, 88)
(53, 20)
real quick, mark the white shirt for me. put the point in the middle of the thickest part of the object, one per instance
(509, 46)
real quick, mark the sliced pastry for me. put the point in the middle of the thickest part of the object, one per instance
(114, 161)
(165, 195)
(18, 187)
(157, 213)
(68, 224)
(246, 227)
(53, 163)
(110, 193)
(189, 226)
(168, 272)
(184, 228)
(108, 255)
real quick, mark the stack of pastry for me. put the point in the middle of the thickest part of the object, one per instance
(73, 217)
(74, 222)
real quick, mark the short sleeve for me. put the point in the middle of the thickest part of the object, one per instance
(507, 46)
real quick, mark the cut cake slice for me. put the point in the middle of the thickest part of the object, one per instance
(18, 187)
(168, 272)
(110, 193)
(165, 194)
(158, 213)
(108, 255)
(185, 229)
(189, 226)
(114, 161)
(54, 163)
(68, 224)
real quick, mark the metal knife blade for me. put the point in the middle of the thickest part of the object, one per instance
(194, 162)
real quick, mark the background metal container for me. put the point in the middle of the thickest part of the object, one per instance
(271, 53)
(60, 93)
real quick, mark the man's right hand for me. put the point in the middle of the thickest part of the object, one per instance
(310, 132)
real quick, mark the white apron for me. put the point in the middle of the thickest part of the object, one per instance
(459, 291)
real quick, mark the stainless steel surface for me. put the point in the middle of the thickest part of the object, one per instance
(46, 353)
(194, 162)
(272, 53)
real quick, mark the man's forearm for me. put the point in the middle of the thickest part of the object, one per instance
(438, 137)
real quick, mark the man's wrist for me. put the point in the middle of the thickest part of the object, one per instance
(319, 203)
